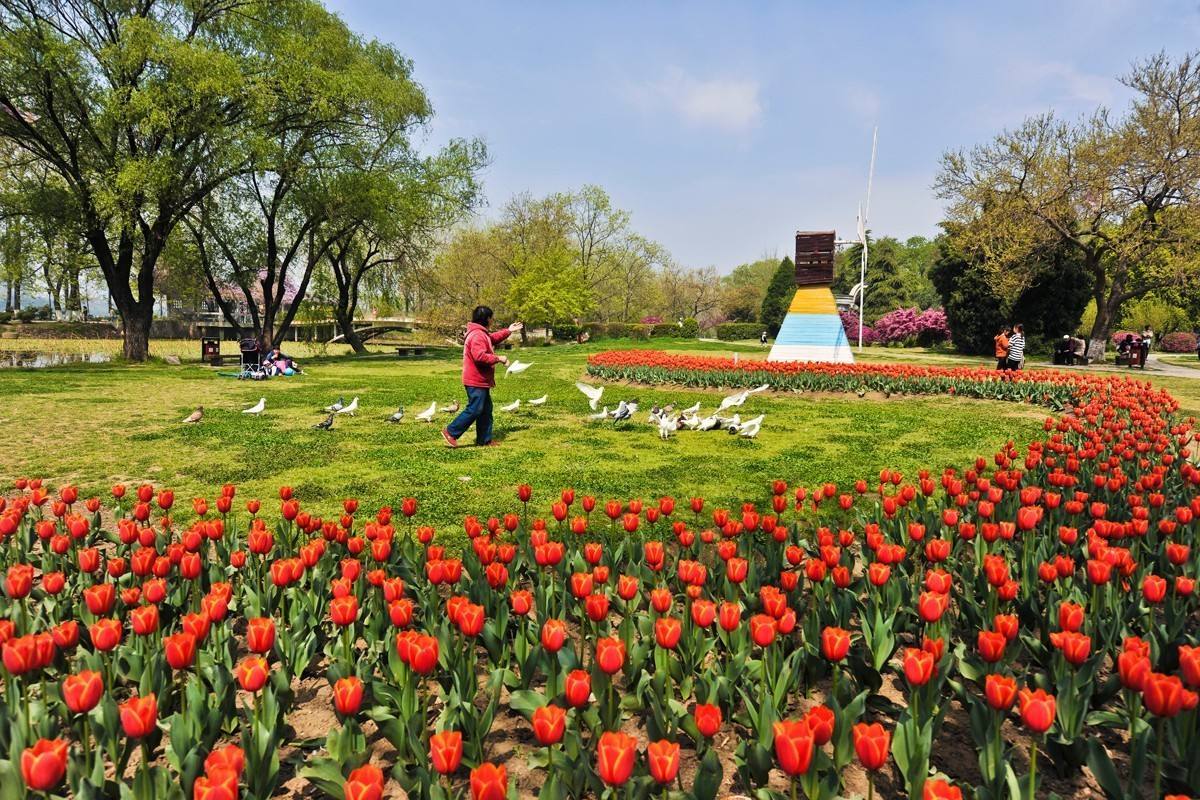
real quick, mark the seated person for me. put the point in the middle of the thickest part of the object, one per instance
(276, 363)
(1078, 350)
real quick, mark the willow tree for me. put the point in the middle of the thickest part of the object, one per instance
(1121, 190)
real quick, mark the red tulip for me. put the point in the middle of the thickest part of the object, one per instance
(252, 673)
(871, 743)
(662, 757)
(578, 688)
(835, 643)
(180, 650)
(762, 630)
(708, 719)
(821, 721)
(940, 790)
(81, 692)
(1037, 709)
(445, 751)
(364, 783)
(919, 666)
(44, 764)
(991, 646)
(139, 715)
(344, 610)
(347, 695)
(260, 634)
(105, 634)
(615, 757)
(610, 654)
(489, 782)
(1001, 691)
(229, 757)
(549, 724)
(794, 746)
(554, 635)
(1163, 694)
(667, 631)
(1189, 665)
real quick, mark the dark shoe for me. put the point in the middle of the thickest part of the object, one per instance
(492, 443)
(450, 440)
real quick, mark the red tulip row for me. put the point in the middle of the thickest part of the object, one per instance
(150, 653)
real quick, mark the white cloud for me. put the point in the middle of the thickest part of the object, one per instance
(727, 104)
(1067, 83)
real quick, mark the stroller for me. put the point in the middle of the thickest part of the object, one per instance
(252, 368)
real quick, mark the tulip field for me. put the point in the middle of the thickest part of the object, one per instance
(1021, 625)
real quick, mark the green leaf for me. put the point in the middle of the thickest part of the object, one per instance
(526, 701)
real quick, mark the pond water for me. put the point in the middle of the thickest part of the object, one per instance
(30, 359)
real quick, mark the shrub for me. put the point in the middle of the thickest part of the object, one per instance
(690, 329)
(910, 326)
(567, 331)
(5, 317)
(664, 329)
(1178, 342)
(850, 326)
(27, 314)
(733, 331)
(1117, 336)
(651, 320)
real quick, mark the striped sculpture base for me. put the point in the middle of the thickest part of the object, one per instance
(812, 329)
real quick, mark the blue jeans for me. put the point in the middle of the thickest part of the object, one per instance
(478, 411)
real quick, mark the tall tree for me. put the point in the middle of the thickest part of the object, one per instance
(779, 296)
(140, 109)
(745, 287)
(1121, 191)
(341, 124)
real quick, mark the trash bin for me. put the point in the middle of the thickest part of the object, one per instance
(210, 350)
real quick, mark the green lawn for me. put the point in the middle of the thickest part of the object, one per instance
(95, 424)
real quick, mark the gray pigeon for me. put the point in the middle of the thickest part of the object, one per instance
(196, 415)
(327, 425)
(338, 406)
(623, 412)
(399, 415)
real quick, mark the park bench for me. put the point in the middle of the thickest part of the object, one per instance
(223, 360)
(1128, 360)
(410, 351)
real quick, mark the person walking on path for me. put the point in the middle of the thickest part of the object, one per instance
(1016, 347)
(478, 377)
(1001, 340)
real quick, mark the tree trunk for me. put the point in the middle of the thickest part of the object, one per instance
(1098, 339)
(137, 321)
(346, 326)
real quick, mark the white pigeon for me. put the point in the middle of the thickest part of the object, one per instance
(750, 427)
(632, 406)
(691, 422)
(516, 367)
(762, 388)
(733, 401)
(599, 414)
(349, 409)
(539, 401)
(707, 424)
(735, 423)
(196, 415)
(593, 394)
(690, 410)
(337, 406)
(513, 406)
(427, 414)
(667, 426)
(257, 408)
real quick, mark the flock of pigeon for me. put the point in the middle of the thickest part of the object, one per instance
(666, 419)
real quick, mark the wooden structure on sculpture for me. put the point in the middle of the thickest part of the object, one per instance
(812, 329)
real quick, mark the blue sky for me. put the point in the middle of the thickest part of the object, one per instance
(724, 127)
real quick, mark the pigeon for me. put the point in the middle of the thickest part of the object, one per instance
(257, 408)
(539, 401)
(593, 394)
(691, 422)
(633, 406)
(399, 415)
(327, 424)
(427, 414)
(338, 406)
(350, 409)
(667, 426)
(513, 406)
(733, 400)
(196, 415)
(624, 411)
(450, 409)
(749, 428)
(762, 388)
(690, 410)
(733, 424)
(655, 413)
(599, 414)
(708, 423)
(516, 367)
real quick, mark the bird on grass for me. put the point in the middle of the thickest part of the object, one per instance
(516, 367)
(327, 424)
(690, 410)
(666, 426)
(709, 423)
(257, 408)
(450, 409)
(513, 406)
(749, 428)
(539, 401)
(599, 414)
(349, 409)
(740, 398)
(337, 406)
(622, 412)
(593, 394)
(196, 415)
(427, 414)
(399, 415)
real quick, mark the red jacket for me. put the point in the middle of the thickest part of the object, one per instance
(479, 358)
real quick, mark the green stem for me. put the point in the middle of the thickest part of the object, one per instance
(1033, 750)
(1158, 758)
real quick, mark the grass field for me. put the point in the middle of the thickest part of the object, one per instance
(95, 424)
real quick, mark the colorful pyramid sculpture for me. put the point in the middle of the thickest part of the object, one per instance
(812, 329)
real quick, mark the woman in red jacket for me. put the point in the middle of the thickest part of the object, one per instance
(479, 376)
